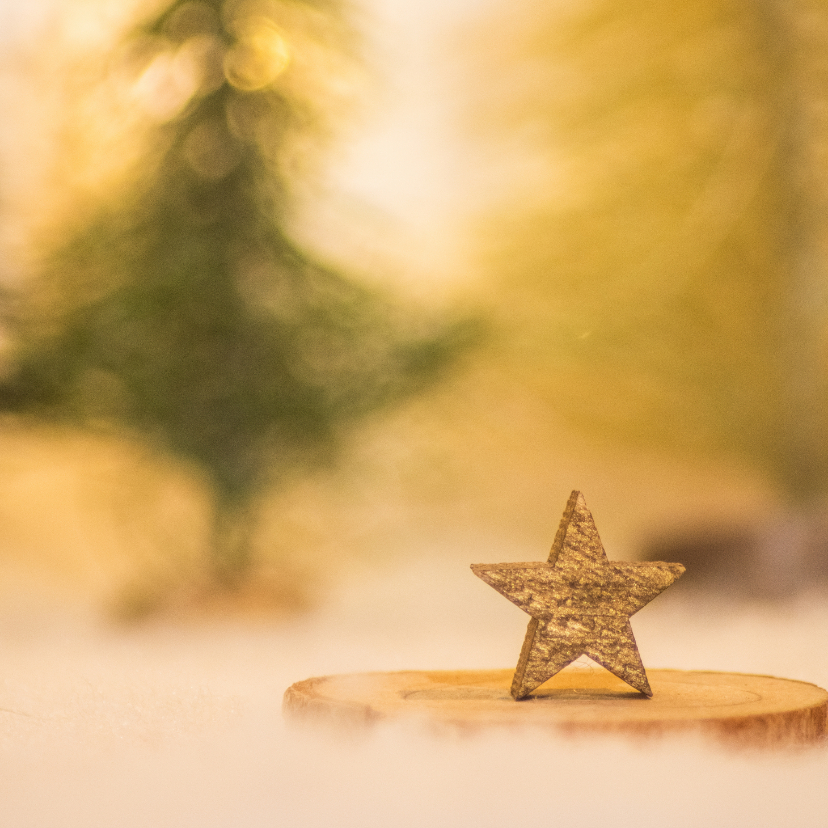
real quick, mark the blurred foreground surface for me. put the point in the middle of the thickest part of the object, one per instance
(178, 724)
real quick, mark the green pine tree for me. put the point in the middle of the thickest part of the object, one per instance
(185, 314)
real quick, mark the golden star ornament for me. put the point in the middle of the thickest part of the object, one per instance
(580, 603)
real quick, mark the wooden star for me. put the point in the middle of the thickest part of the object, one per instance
(580, 603)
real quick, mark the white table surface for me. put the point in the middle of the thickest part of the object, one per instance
(178, 723)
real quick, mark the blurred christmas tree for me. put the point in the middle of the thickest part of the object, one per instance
(182, 311)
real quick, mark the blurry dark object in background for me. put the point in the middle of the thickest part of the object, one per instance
(714, 556)
(182, 312)
(774, 560)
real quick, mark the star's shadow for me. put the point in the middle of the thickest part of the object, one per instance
(542, 695)
(559, 694)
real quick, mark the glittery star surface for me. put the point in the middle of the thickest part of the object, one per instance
(580, 603)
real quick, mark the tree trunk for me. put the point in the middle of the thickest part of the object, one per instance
(231, 554)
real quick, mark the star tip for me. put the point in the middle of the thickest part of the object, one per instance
(677, 570)
(481, 571)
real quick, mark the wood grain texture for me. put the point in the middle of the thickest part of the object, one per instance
(580, 603)
(744, 710)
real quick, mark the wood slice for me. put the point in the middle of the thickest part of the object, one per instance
(742, 709)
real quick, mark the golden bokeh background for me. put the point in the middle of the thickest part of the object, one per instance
(631, 201)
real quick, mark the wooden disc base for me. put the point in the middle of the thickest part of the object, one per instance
(742, 709)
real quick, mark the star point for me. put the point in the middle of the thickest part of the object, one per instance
(580, 603)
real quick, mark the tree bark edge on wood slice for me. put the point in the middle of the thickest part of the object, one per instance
(739, 709)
